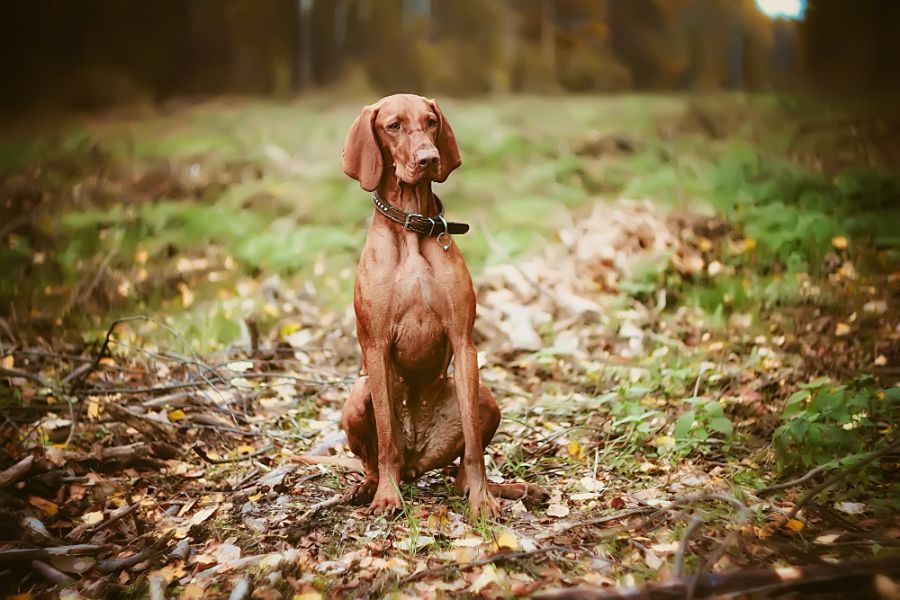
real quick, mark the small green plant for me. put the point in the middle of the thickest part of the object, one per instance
(697, 427)
(824, 421)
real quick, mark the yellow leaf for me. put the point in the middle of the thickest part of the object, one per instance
(308, 596)
(93, 409)
(507, 540)
(187, 296)
(45, 505)
(841, 329)
(107, 361)
(840, 242)
(749, 245)
(245, 449)
(664, 441)
(92, 518)
(176, 415)
(140, 257)
(7, 361)
(288, 328)
(794, 525)
(576, 451)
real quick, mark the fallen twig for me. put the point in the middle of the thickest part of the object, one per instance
(601, 520)
(114, 516)
(854, 578)
(33, 553)
(871, 457)
(112, 565)
(780, 486)
(499, 557)
(695, 523)
(51, 574)
(17, 471)
(221, 461)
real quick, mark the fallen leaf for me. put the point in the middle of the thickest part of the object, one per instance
(187, 296)
(239, 366)
(202, 515)
(575, 451)
(7, 361)
(841, 329)
(508, 540)
(794, 525)
(558, 510)
(92, 518)
(851, 508)
(840, 242)
(45, 505)
(176, 415)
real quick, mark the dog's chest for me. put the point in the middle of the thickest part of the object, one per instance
(419, 332)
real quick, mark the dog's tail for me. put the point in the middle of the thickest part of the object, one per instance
(319, 454)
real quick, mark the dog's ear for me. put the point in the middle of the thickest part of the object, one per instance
(361, 158)
(446, 146)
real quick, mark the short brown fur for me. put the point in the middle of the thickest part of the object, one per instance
(415, 309)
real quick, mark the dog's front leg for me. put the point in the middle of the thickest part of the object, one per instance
(387, 496)
(465, 378)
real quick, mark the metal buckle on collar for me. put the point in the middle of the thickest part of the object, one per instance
(409, 217)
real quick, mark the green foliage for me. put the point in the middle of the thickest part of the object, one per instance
(823, 422)
(697, 426)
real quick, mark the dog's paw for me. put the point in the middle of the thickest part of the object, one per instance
(384, 502)
(361, 493)
(484, 505)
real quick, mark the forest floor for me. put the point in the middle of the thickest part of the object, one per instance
(687, 310)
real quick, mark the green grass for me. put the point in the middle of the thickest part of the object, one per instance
(285, 208)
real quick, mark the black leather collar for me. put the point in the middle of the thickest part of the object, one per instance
(427, 226)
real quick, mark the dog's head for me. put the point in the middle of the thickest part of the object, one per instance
(405, 132)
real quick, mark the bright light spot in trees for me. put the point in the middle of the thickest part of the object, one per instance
(789, 9)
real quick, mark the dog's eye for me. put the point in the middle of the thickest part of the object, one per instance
(395, 126)
(432, 122)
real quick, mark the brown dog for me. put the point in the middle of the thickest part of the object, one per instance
(415, 308)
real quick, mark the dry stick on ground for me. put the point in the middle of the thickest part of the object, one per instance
(51, 574)
(221, 461)
(606, 519)
(77, 377)
(26, 553)
(781, 486)
(499, 557)
(17, 471)
(695, 523)
(111, 565)
(114, 516)
(871, 457)
(847, 578)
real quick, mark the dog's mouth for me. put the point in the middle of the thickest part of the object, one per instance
(413, 173)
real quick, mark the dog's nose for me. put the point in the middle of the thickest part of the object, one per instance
(427, 158)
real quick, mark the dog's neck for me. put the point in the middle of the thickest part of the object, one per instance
(411, 198)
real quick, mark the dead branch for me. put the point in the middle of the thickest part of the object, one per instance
(181, 550)
(606, 519)
(149, 427)
(852, 578)
(116, 515)
(38, 553)
(781, 486)
(51, 574)
(493, 558)
(111, 565)
(221, 461)
(695, 523)
(17, 471)
(4, 372)
(836, 477)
